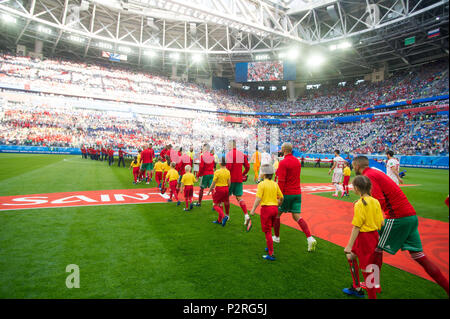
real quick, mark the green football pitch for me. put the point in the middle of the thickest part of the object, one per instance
(160, 251)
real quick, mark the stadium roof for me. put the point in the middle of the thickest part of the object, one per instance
(203, 36)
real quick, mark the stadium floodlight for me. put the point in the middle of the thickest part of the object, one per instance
(197, 58)
(45, 30)
(261, 57)
(344, 45)
(76, 38)
(315, 60)
(333, 47)
(124, 49)
(292, 54)
(104, 45)
(174, 56)
(150, 53)
(9, 19)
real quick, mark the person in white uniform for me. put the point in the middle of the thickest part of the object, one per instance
(393, 168)
(338, 172)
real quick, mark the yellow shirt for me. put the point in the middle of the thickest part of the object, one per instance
(139, 158)
(188, 179)
(221, 177)
(347, 171)
(269, 192)
(159, 166)
(172, 175)
(135, 165)
(367, 217)
(165, 167)
(191, 154)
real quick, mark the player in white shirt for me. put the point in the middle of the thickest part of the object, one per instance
(393, 167)
(338, 172)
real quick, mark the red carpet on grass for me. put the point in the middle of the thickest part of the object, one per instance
(328, 219)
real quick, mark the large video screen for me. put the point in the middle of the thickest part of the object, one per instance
(265, 71)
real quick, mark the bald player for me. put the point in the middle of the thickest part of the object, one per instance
(289, 181)
(401, 224)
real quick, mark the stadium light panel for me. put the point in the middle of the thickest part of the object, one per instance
(333, 47)
(9, 19)
(77, 39)
(124, 49)
(261, 57)
(292, 54)
(150, 53)
(197, 58)
(344, 45)
(45, 30)
(105, 45)
(174, 56)
(315, 61)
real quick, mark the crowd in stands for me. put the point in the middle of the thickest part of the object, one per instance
(66, 126)
(411, 134)
(63, 124)
(117, 83)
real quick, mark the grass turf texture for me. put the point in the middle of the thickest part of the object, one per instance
(157, 250)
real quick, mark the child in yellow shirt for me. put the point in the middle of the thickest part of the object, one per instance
(220, 184)
(187, 184)
(347, 173)
(158, 170)
(367, 221)
(270, 197)
(172, 179)
(135, 164)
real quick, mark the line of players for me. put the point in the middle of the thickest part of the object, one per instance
(102, 154)
(372, 233)
(342, 171)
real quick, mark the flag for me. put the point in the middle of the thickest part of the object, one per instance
(114, 56)
(434, 33)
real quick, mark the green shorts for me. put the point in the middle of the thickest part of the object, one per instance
(206, 181)
(291, 204)
(236, 189)
(147, 166)
(401, 233)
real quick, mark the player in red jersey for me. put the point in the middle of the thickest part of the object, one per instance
(289, 170)
(110, 156)
(83, 152)
(235, 160)
(147, 156)
(121, 157)
(401, 224)
(206, 171)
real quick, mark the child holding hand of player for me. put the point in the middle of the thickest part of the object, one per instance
(347, 173)
(187, 184)
(220, 184)
(158, 170)
(135, 164)
(367, 221)
(172, 179)
(269, 195)
(166, 168)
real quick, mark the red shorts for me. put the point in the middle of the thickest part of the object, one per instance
(364, 247)
(188, 191)
(268, 214)
(220, 195)
(158, 176)
(346, 180)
